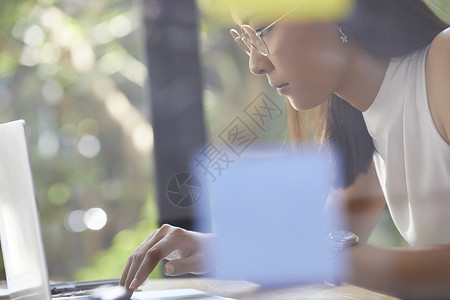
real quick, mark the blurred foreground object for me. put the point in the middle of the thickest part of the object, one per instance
(268, 11)
(267, 212)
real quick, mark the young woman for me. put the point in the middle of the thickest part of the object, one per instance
(380, 80)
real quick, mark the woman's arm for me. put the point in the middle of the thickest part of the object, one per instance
(362, 204)
(412, 273)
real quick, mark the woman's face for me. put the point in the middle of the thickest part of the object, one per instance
(306, 62)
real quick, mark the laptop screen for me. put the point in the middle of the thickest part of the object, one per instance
(22, 247)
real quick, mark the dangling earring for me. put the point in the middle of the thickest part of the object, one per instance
(343, 37)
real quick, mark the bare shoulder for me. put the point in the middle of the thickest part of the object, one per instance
(438, 79)
(441, 44)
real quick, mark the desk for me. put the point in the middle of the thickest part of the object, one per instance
(249, 291)
(246, 290)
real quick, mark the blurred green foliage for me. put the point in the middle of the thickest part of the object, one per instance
(441, 8)
(73, 71)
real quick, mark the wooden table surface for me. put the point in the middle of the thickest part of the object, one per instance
(246, 290)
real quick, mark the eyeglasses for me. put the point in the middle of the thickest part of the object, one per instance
(250, 38)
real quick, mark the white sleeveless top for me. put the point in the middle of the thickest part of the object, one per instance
(412, 159)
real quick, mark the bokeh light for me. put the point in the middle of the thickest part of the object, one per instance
(120, 26)
(48, 144)
(83, 57)
(34, 36)
(89, 146)
(58, 194)
(95, 218)
(79, 220)
(74, 221)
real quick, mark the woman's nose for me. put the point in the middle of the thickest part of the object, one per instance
(258, 63)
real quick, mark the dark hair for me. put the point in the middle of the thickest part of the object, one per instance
(386, 29)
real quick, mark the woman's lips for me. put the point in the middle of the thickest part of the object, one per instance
(282, 89)
(281, 85)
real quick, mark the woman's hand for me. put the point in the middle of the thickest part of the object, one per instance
(184, 249)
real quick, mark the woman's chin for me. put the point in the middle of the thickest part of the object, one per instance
(300, 105)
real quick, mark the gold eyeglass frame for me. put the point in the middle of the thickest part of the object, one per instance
(241, 38)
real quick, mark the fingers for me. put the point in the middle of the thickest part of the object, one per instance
(159, 251)
(151, 239)
(160, 244)
(143, 270)
(125, 271)
(181, 266)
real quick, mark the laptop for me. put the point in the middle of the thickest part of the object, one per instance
(20, 233)
(21, 239)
